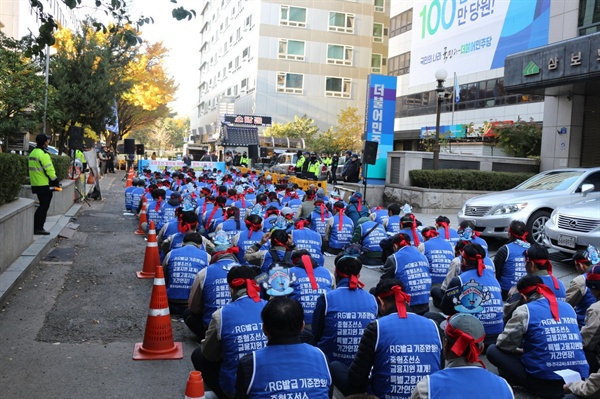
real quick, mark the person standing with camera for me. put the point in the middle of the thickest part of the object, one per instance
(43, 181)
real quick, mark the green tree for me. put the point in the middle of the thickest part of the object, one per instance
(522, 139)
(300, 128)
(164, 134)
(21, 90)
(350, 129)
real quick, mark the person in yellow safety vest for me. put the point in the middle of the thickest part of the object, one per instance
(43, 180)
(314, 167)
(326, 159)
(244, 160)
(299, 162)
(79, 155)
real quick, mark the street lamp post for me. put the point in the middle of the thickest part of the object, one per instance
(440, 76)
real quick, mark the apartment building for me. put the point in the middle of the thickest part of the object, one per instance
(17, 19)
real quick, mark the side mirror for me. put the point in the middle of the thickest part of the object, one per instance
(586, 188)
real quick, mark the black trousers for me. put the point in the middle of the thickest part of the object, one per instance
(333, 174)
(39, 218)
(210, 372)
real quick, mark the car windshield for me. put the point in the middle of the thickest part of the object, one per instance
(560, 180)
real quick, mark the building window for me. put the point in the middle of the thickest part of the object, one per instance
(376, 63)
(339, 55)
(341, 22)
(378, 32)
(338, 87)
(290, 82)
(401, 23)
(291, 49)
(379, 5)
(248, 22)
(399, 65)
(293, 16)
(246, 54)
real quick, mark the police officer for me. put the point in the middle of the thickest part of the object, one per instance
(244, 160)
(43, 181)
(314, 167)
(335, 160)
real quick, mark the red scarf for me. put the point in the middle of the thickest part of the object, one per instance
(414, 230)
(464, 341)
(322, 206)
(445, 226)
(307, 262)
(253, 227)
(401, 298)
(210, 217)
(251, 287)
(547, 293)
(232, 250)
(158, 202)
(354, 281)
(300, 224)
(341, 212)
(546, 262)
(522, 238)
(185, 227)
(431, 233)
(479, 259)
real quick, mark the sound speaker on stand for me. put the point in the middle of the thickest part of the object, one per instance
(253, 151)
(263, 152)
(139, 149)
(370, 152)
(76, 138)
(129, 146)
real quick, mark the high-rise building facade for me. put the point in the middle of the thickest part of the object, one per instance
(287, 58)
(18, 19)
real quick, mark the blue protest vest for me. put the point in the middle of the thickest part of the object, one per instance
(243, 207)
(412, 268)
(583, 305)
(468, 382)
(407, 350)
(454, 237)
(268, 260)
(184, 263)
(412, 236)
(295, 205)
(246, 240)
(251, 198)
(172, 228)
(514, 266)
(439, 254)
(393, 224)
(241, 333)
(551, 345)
(230, 227)
(311, 241)
(169, 212)
(215, 291)
(155, 215)
(318, 225)
(482, 242)
(129, 198)
(303, 291)
(267, 225)
(381, 215)
(290, 371)
(177, 241)
(347, 314)
(338, 239)
(136, 196)
(560, 293)
(372, 240)
(487, 307)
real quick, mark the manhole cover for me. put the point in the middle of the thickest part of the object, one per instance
(60, 255)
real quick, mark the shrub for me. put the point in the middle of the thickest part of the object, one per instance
(61, 166)
(465, 179)
(13, 172)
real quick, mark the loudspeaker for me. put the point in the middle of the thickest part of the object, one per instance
(129, 146)
(76, 138)
(139, 149)
(370, 152)
(253, 151)
(263, 152)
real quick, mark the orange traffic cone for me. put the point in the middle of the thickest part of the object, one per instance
(152, 257)
(195, 386)
(129, 178)
(158, 339)
(140, 231)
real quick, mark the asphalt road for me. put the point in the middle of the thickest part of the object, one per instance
(69, 329)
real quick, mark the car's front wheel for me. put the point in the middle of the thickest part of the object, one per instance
(535, 226)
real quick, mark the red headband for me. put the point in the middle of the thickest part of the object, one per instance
(354, 281)
(546, 262)
(464, 341)
(478, 258)
(431, 233)
(158, 202)
(445, 226)
(251, 287)
(232, 250)
(307, 262)
(546, 292)
(301, 224)
(401, 299)
(522, 238)
(341, 211)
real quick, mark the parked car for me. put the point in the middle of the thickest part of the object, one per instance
(286, 162)
(531, 202)
(573, 227)
(50, 149)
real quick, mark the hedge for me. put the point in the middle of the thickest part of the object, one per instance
(466, 179)
(14, 172)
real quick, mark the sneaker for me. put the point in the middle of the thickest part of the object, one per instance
(41, 232)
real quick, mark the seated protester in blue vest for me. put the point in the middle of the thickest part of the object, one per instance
(387, 347)
(231, 197)
(439, 254)
(319, 217)
(408, 225)
(392, 224)
(288, 214)
(271, 215)
(465, 375)
(301, 193)
(305, 238)
(169, 229)
(308, 205)
(234, 331)
(232, 225)
(148, 194)
(476, 291)
(286, 367)
(137, 194)
(442, 223)
(356, 209)
(342, 314)
(247, 238)
(338, 231)
(129, 195)
(578, 294)
(590, 333)
(294, 202)
(466, 231)
(309, 282)
(201, 200)
(181, 267)
(166, 185)
(173, 203)
(260, 207)
(541, 337)
(241, 203)
(321, 195)
(273, 200)
(189, 222)
(155, 208)
(411, 267)
(210, 290)
(368, 234)
(537, 261)
(509, 260)
(206, 207)
(250, 197)
(380, 214)
(281, 250)
(215, 216)
(335, 197)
